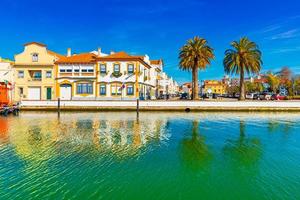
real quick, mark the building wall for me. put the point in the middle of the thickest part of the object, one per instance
(24, 62)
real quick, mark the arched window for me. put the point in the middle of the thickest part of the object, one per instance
(35, 57)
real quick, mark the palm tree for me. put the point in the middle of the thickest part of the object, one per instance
(194, 55)
(243, 57)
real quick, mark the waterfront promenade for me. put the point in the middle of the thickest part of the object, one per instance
(224, 105)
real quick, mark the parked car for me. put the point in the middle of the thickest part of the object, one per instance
(278, 97)
(253, 95)
(184, 96)
(265, 96)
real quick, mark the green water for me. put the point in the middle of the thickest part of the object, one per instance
(159, 156)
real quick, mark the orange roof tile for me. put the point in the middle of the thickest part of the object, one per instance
(155, 62)
(79, 58)
(123, 56)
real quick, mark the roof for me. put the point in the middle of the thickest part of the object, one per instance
(155, 62)
(123, 56)
(37, 43)
(79, 58)
(55, 54)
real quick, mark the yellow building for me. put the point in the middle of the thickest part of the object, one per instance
(34, 73)
(214, 87)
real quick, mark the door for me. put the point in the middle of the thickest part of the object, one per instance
(49, 93)
(65, 92)
(34, 93)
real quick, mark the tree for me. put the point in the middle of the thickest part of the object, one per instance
(273, 82)
(194, 55)
(244, 57)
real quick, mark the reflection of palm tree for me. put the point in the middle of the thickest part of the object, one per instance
(194, 152)
(245, 150)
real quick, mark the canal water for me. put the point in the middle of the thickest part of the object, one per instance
(158, 156)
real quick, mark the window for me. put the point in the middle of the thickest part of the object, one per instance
(37, 75)
(76, 69)
(48, 74)
(84, 70)
(91, 70)
(130, 89)
(21, 91)
(20, 74)
(102, 89)
(35, 57)
(69, 70)
(62, 70)
(103, 69)
(84, 88)
(130, 69)
(116, 89)
(116, 68)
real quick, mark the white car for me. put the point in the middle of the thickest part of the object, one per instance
(251, 96)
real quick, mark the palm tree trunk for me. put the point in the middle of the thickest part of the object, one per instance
(242, 85)
(193, 85)
(196, 88)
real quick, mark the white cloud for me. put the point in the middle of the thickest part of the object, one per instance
(286, 35)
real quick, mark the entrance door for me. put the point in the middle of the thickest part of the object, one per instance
(65, 92)
(34, 93)
(49, 93)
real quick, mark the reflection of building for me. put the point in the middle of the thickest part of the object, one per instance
(3, 131)
(34, 73)
(214, 87)
(39, 138)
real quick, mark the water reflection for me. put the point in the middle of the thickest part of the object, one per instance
(119, 137)
(244, 150)
(195, 154)
(4, 135)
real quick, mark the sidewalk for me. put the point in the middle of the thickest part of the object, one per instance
(164, 105)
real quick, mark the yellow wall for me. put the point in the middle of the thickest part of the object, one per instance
(23, 62)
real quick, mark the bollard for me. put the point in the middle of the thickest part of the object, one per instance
(137, 106)
(58, 107)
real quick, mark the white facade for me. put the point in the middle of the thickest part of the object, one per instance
(6, 71)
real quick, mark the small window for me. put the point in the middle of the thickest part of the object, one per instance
(21, 91)
(37, 75)
(84, 70)
(48, 74)
(35, 57)
(102, 89)
(116, 68)
(91, 70)
(76, 70)
(103, 69)
(69, 70)
(62, 70)
(130, 69)
(20, 74)
(130, 89)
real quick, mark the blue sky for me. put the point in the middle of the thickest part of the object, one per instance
(157, 28)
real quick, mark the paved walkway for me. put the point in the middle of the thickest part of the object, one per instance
(165, 105)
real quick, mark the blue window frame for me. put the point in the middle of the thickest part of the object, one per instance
(116, 68)
(102, 89)
(84, 88)
(130, 68)
(130, 89)
(103, 69)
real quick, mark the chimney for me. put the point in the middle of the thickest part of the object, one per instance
(112, 52)
(69, 52)
(99, 51)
